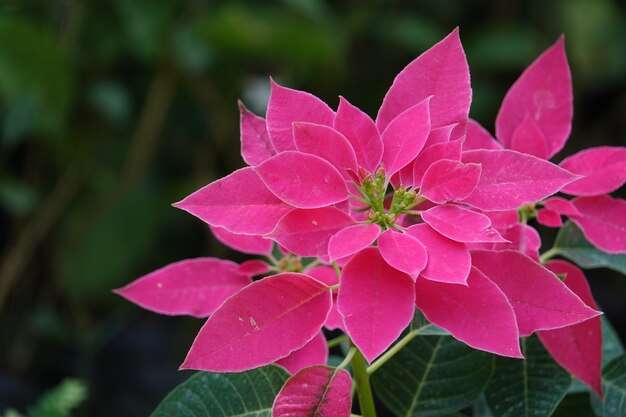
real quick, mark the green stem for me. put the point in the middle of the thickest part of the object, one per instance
(391, 352)
(336, 341)
(337, 270)
(549, 254)
(362, 384)
(348, 358)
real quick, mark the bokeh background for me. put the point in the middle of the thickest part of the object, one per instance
(112, 110)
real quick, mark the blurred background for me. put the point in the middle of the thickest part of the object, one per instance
(112, 110)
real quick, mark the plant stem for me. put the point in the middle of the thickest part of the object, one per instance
(391, 352)
(336, 341)
(362, 383)
(549, 254)
(348, 358)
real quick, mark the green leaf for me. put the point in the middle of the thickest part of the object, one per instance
(577, 405)
(205, 394)
(433, 376)
(571, 243)
(614, 387)
(532, 387)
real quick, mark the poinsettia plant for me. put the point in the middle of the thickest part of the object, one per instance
(407, 246)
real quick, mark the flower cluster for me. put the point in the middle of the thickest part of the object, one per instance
(420, 208)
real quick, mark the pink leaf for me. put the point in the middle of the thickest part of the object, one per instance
(315, 391)
(239, 202)
(448, 180)
(540, 300)
(254, 267)
(603, 168)
(543, 92)
(440, 134)
(521, 237)
(376, 301)
(577, 348)
(303, 180)
(362, 133)
(438, 151)
(328, 276)
(326, 143)
(256, 146)
(562, 206)
(194, 287)
(313, 353)
(352, 239)
(448, 261)
(403, 252)
(287, 106)
(441, 72)
(477, 137)
(253, 245)
(510, 179)
(603, 221)
(461, 224)
(264, 322)
(528, 138)
(549, 218)
(307, 232)
(502, 220)
(405, 136)
(478, 314)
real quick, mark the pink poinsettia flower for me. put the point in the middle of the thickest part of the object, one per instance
(410, 219)
(536, 118)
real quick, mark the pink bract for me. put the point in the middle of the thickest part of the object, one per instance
(261, 331)
(315, 391)
(313, 353)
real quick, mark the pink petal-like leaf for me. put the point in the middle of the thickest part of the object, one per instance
(478, 314)
(543, 92)
(477, 137)
(315, 391)
(287, 106)
(303, 180)
(449, 180)
(352, 239)
(328, 276)
(307, 232)
(528, 138)
(239, 202)
(264, 322)
(603, 221)
(403, 252)
(502, 220)
(603, 168)
(448, 261)
(253, 245)
(327, 143)
(313, 353)
(577, 348)
(405, 136)
(540, 299)
(441, 72)
(562, 206)
(193, 287)
(376, 301)
(362, 133)
(256, 146)
(510, 179)
(438, 151)
(254, 267)
(461, 224)
(521, 237)
(549, 218)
